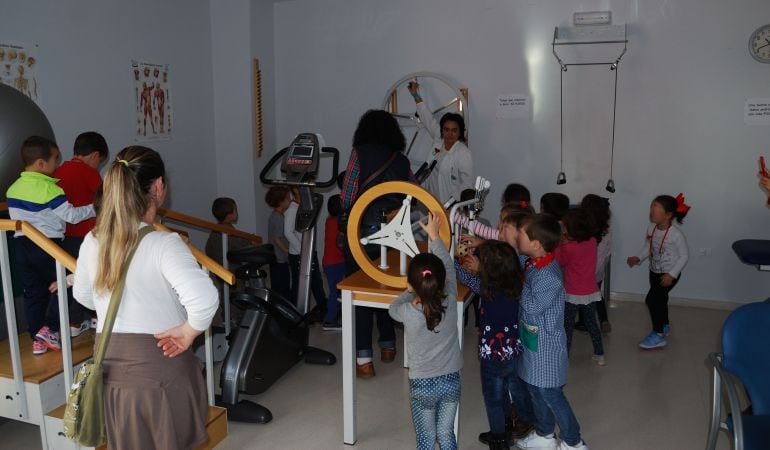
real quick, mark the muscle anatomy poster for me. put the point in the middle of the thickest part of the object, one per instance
(152, 97)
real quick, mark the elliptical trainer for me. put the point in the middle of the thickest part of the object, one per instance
(273, 333)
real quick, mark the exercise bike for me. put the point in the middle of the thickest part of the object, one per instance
(272, 336)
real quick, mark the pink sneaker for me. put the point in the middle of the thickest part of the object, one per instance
(38, 348)
(48, 338)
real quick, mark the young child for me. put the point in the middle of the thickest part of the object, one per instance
(295, 248)
(278, 198)
(36, 198)
(225, 211)
(428, 310)
(577, 257)
(599, 209)
(333, 262)
(555, 204)
(666, 247)
(516, 193)
(499, 286)
(80, 180)
(541, 328)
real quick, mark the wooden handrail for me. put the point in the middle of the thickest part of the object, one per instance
(200, 223)
(204, 260)
(69, 262)
(9, 225)
(48, 246)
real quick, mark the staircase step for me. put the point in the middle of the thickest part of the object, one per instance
(39, 368)
(216, 425)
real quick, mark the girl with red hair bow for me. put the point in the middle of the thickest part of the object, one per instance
(666, 247)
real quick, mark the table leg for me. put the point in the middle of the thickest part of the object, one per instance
(348, 368)
(460, 329)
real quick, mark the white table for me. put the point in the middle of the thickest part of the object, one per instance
(360, 290)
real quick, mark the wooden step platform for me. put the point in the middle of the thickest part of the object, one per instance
(216, 425)
(39, 368)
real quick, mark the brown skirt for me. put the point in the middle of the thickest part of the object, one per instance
(152, 401)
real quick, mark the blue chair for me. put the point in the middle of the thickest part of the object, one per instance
(745, 359)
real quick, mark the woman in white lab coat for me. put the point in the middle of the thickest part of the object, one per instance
(454, 163)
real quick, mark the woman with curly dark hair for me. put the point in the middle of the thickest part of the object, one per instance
(377, 156)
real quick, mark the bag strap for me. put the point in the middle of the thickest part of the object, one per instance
(378, 172)
(117, 294)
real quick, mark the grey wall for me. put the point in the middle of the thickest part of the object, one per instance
(85, 52)
(681, 94)
(241, 31)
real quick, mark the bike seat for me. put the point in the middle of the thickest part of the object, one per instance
(259, 255)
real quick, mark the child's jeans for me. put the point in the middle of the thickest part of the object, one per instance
(498, 380)
(551, 408)
(588, 314)
(657, 301)
(280, 280)
(334, 274)
(316, 282)
(434, 405)
(38, 271)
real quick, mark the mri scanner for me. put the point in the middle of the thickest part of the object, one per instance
(20, 118)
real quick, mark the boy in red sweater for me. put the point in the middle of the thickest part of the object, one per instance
(80, 179)
(333, 262)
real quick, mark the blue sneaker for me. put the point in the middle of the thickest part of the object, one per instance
(653, 340)
(666, 330)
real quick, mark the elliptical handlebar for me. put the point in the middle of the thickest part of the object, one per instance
(263, 175)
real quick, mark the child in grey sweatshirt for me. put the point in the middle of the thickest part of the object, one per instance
(428, 310)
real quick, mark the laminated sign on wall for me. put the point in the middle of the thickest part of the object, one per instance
(18, 68)
(152, 96)
(513, 106)
(757, 111)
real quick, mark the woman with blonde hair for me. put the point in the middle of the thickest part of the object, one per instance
(154, 391)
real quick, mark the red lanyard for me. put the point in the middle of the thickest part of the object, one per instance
(660, 249)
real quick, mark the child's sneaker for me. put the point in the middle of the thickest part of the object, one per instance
(666, 330)
(599, 360)
(534, 441)
(78, 329)
(48, 338)
(581, 446)
(331, 326)
(38, 348)
(653, 340)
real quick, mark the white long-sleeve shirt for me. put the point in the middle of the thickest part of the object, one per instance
(454, 167)
(164, 287)
(292, 235)
(667, 255)
(603, 252)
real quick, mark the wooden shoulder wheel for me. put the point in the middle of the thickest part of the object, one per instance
(397, 234)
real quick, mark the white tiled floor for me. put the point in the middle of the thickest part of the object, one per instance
(641, 400)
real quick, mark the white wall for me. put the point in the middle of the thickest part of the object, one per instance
(241, 31)
(680, 101)
(85, 52)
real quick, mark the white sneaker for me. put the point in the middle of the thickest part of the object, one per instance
(534, 441)
(94, 323)
(77, 330)
(599, 359)
(581, 446)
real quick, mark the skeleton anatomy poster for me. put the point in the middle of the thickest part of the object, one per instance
(152, 96)
(18, 68)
